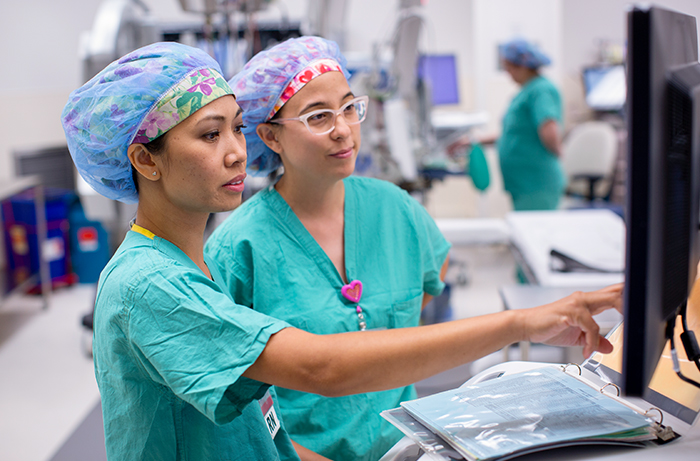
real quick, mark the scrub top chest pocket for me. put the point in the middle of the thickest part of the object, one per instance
(383, 310)
(407, 313)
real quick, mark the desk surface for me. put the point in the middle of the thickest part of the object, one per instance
(592, 236)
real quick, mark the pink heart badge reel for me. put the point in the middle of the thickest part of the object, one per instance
(353, 293)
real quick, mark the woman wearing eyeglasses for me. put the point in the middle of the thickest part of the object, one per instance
(323, 250)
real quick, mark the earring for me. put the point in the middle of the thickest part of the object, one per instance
(154, 173)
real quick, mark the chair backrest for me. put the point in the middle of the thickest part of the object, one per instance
(590, 149)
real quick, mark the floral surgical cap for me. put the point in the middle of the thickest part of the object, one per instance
(523, 53)
(135, 100)
(268, 80)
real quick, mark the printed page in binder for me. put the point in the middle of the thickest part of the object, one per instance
(528, 412)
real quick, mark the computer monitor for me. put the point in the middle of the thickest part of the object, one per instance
(663, 119)
(439, 72)
(605, 86)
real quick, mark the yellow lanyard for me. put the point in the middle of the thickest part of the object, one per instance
(142, 231)
(150, 235)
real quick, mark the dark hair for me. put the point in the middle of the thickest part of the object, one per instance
(155, 147)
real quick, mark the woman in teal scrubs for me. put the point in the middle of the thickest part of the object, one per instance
(328, 230)
(530, 144)
(170, 345)
(184, 372)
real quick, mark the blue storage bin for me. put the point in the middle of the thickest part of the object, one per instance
(21, 241)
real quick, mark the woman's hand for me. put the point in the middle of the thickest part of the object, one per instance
(550, 137)
(465, 142)
(569, 321)
(369, 361)
(460, 145)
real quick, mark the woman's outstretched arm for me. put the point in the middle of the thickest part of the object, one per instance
(349, 363)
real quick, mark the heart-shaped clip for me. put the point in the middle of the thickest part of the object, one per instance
(352, 291)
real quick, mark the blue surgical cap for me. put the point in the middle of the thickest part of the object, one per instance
(523, 53)
(135, 99)
(260, 84)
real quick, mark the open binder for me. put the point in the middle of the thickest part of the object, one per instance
(524, 413)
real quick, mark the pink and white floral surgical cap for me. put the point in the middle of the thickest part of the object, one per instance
(270, 79)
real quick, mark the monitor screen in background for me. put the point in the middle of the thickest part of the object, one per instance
(440, 74)
(606, 88)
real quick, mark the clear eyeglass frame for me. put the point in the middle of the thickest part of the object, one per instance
(361, 101)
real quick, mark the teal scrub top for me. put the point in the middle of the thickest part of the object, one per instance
(532, 174)
(271, 263)
(170, 348)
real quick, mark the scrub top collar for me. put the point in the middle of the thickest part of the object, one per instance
(287, 218)
(172, 250)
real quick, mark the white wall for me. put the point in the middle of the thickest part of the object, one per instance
(587, 23)
(40, 67)
(497, 21)
(39, 52)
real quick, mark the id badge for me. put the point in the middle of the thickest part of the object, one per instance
(269, 414)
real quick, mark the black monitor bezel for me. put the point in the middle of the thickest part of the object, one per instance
(648, 62)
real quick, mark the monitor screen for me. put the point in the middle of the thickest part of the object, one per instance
(606, 89)
(439, 72)
(662, 185)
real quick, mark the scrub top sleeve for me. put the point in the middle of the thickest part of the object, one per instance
(546, 105)
(190, 337)
(433, 247)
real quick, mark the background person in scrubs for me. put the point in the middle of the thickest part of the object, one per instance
(530, 144)
(184, 371)
(291, 249)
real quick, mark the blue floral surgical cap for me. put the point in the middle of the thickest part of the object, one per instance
(135, 99)
(524, 53)
(259, 87)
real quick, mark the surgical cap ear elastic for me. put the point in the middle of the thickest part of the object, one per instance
(260, 84)
(523, 53)
(135, 99)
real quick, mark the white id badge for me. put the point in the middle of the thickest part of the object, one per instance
(269, 414)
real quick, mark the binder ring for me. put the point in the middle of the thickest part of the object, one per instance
(661, 415)
(564, 367)
(613, 385)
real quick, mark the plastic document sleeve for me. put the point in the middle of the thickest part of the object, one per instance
(519, 414)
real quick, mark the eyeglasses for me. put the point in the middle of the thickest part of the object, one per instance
(322, 121)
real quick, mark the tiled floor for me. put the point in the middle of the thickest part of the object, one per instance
(47, 385)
